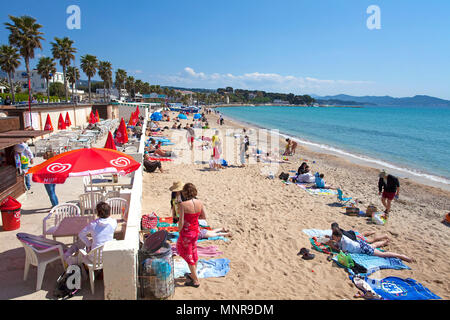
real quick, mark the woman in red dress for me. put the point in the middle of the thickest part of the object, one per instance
(190, 211)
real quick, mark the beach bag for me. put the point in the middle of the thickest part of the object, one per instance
(284, 176)
(371, 209)
(149, 221)
(345, 260)
(62, 291)
(351, 211)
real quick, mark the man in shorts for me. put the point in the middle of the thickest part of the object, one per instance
(389, 188)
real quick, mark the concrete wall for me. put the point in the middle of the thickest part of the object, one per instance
(126, 109)
(120, 257)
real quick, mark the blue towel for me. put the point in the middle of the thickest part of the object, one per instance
(176, 235)
(212, 268)
(394, 288)
(373, 263)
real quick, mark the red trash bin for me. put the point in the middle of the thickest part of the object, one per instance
(10, 208)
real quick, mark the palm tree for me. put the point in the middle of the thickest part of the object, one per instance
(139, 85)
(73, 75)
(26, 37)
(62, 49)
(105, 73)
(129, 85)
(121, 76)
(9, 62)
(89, 65)
(46, 68)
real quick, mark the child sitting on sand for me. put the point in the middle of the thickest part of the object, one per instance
(339, 242)
(320, 183)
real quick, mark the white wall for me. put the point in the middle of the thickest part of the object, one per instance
(120, 257)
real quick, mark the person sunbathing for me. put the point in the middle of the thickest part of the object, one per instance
(376, 240)
(339, 242)
(220, 232)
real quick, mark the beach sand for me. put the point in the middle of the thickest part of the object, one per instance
(267, 218)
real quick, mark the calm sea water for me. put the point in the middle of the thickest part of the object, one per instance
(413, 139)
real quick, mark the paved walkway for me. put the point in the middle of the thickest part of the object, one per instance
(35, 207)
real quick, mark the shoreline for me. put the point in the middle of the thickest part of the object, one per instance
(277, 105)
(422, 178)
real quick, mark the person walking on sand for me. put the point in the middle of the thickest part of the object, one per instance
(243, 150)
(190, 210)
(217, 150)
(388, 188)
(190, 135)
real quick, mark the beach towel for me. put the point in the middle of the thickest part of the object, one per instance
(321, 247)
(373, 263)
(317, 233)
(210, 252)
(316, 191)
(159, 159)
(212, 268)
(394, 288)
(38, 242)
(174, 237)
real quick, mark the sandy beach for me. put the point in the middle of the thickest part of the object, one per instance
(267, 218)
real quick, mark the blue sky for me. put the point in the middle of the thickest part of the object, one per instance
(318, 47)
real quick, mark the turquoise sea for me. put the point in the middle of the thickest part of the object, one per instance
(414, 140)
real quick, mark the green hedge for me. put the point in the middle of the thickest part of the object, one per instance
(24, 97)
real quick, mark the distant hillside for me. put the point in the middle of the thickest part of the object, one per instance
(419, 100)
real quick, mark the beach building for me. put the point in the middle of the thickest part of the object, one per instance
(10, 135)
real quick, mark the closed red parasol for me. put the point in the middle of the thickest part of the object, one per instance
(96, 116)
(110, 142)
(61, 123)
(48, 123)
(121, 134)
(83, 162)
(92, 119)
(68, 122)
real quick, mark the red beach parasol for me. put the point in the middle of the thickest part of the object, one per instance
(121, 134)
(83, 162)
(96, 116)
(110, 142)
(48, 123)
(68, 122)
(61, 123)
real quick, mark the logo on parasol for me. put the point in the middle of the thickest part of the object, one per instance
(58, 167)
(120, 162)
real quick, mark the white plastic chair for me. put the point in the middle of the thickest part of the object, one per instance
(119, 207)
(112, 194)
(94, 261)
(87, 184)
(88, 202)
(56, 215)
(40, 259)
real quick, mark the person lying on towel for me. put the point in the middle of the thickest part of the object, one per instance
(339, 242)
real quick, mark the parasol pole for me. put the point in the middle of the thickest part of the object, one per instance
(92, 195)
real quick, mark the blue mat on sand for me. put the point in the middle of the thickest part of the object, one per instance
(373, 263)
(175, 236)
(212, 268)
(394, 288)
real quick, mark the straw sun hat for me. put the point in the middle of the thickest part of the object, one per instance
(383, 174)
(177, 186)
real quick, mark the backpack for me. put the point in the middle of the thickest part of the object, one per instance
(62, 291)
